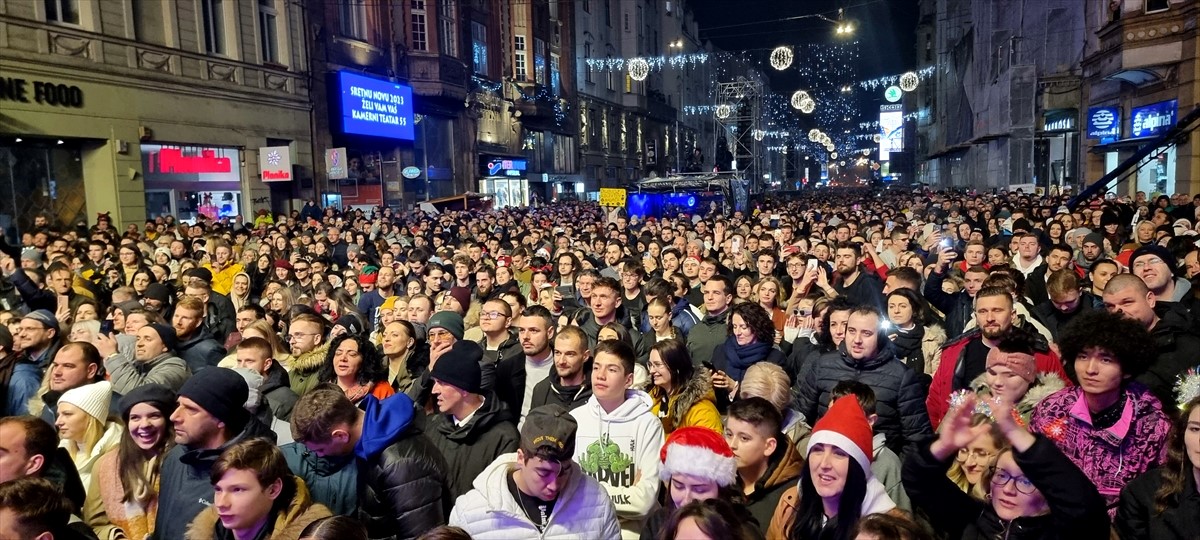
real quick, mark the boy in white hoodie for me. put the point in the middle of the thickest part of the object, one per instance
(619, 439)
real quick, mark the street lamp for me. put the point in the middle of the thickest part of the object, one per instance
(845, 27)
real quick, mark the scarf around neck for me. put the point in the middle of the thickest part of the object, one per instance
(741, 357)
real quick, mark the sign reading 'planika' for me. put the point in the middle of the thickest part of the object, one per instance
(275, 163)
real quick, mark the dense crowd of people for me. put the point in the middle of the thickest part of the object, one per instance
(837, 365)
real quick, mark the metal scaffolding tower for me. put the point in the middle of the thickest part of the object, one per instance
(738, 113)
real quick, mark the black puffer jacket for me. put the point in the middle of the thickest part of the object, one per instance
(402, 489)
(1137, 518)
(185, 488)
(1176, 348)
(469, 448)
(899, 393)
(499, 371)
(1076, 509)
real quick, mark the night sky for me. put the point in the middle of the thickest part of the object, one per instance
(885, 30)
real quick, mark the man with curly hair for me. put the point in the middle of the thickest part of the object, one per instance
(1111, 426)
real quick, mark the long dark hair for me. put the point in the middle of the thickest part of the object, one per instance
(137, 485)
(675, 355)
(921, 316)
(370, 371)
(1178, 467)
(809, 519)
(757, 318)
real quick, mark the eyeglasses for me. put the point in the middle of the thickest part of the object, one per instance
(979, 455)
(301, 268)
(299, 335)
(1001, 478)
(491, 314)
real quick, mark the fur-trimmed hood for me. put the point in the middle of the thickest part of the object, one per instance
(1047, 384)
(310, 361)
(697, 389)
(300, 511)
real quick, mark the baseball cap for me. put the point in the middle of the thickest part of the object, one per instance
(44, 317)
(549, 433)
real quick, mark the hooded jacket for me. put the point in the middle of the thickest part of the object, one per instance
(305, 368)
(784, 466)
(694, 404)
(471, 446)
(331, 480)
(277, 392)
(489, 511)
(875, 501)
(1076, 509)
(1047, 384)
(289, 521)
(402, 487)
(952, 368)
(126, 373)
(200, 351)
(621, 450)
(1111, 457)
(551, 390)
(899, 393)
(185, 489)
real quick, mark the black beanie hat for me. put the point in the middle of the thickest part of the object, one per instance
(1156, 250)
(221, 392)
(459, 367)
(158, 396)
(166, 334)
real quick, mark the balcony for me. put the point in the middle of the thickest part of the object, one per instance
(435, 75)
(1139, 49)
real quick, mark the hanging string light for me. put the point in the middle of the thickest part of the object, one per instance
(781, 58)
(639, 69)
(908, 81)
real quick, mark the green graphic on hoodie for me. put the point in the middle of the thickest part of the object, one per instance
(604, 461)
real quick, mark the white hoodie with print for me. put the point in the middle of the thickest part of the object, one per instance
(621, 450)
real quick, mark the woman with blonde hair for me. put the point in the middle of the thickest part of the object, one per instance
(770, 382)
(126, 479)
(84, 428)
(769, 294)
(977, 458)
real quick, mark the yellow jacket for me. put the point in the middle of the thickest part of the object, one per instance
(222, 281)
(693, 404)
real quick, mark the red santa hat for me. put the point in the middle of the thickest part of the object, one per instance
(503, 260)
(698, 452)
(846, 427)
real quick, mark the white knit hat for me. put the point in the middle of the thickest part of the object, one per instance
(92, 399)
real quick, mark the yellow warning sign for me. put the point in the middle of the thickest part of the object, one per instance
(612, 197)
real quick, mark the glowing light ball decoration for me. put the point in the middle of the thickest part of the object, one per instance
(876, 138)
(909, 81)
(808, 106)
(724, 110)
(813, 134)
(833, 155)
(781, 58)
(639, 69)
(759, 134)
(798, 98)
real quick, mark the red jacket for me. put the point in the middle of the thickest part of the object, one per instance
(938, 401)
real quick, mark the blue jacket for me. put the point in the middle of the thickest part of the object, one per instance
(22, 386)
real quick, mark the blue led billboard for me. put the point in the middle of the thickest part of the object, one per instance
(375, 107)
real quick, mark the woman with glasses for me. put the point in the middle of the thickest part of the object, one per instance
(977, 458)
(683, 394)
(1033, 491)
